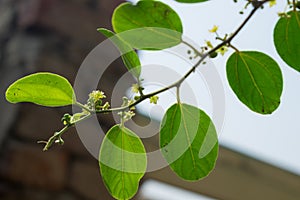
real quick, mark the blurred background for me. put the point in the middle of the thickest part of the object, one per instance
(56, 36)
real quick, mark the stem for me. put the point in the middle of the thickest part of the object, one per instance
(246, 20)
(83, 107)
(178, 94)
(140, 88)
(236, 49)
(198, 53)
(294, 5)
(57, 135)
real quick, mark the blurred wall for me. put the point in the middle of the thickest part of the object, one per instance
(54, 36)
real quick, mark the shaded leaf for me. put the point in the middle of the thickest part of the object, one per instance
(150, 25)
(182, 134)
(129, 56)
(256, 79)
(122, 162)
(46, 89)
(287, 39)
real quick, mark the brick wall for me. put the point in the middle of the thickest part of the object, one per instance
(55, 36)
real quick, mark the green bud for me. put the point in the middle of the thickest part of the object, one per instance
(59, 141)
(105, 106)
(213, 54)
(154, 99)
(66, 119)
(98, 104)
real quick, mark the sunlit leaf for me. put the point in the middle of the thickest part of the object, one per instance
(183, 133)
(46, 89)
(150, 25)
(287, 39)
(122, 162)
(256, 79)
(129, 56)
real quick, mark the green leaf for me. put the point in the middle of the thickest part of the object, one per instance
(184, 133)
(42, 88)
(191, 1)
(150, 25)
(122, 162)
(287, 39)
(256, 79)
(129, 56)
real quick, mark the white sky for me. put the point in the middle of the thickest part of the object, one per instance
(164, 191)
(271, 138)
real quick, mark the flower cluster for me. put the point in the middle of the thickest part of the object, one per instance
(126, 115)
(95, 101)
(135, 88)
(208, 45)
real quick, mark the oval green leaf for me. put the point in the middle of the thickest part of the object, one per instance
(191, 1)
(129, 56)
(46, 89)
(287, 39)
(256, 79)
(122, 161)
(150, 25)
(183, 136)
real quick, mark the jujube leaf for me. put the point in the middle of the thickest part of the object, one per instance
(256, 79)
(287, 39)
(122, 162)
(44, 88)
(150, 25)
(183, 138)
(129, 56)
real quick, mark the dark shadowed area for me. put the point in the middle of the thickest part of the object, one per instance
(54, 36)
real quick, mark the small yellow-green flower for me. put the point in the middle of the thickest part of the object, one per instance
(272, 3)
(214, 29)
(96, 95)
(222, 50)
(126, 115)
(208, 43)
(105, 106)
(154, 99)
(135, 88)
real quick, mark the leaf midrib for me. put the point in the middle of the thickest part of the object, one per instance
(252, 79)
(265, 68)
(188, 138)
